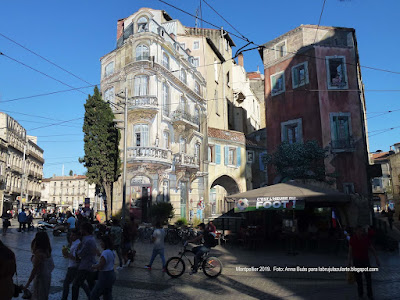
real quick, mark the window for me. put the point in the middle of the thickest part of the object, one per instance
(183, 76)
(141, 135)
(211, 153)
(336, 72)
(216, 102)
(377, 182)
(280, 50)
(300, 75)
(348, 188)
(142, 24)
(215, 69)
(197, 150)
(182, 145)
(166, 139)
(196, 61)
(197, 88)
(250, 157)
(183, 45)
(166, 191)
(183, 104)
(109, 69)
(196, 45)
(292, 131)
(277, 83)
(227, 79)
(165, 60)
(232, 156)
(142, 53)
(165, 99)
(341, 130)
(197, 115)
(226, 45)
(141, 85)
(109, 95)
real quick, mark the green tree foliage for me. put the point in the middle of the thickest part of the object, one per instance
(71, 173)
(300, 161)
(162, 211)
(102, 158)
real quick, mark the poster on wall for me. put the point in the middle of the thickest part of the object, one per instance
(269, 203)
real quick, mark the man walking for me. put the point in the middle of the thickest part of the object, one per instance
(22, 219)
(358, 254)
(158, 249)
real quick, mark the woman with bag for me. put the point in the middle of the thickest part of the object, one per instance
(106, 271)
(43, 265)
(8, 268)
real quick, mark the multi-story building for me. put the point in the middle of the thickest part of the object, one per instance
(69, 192)
(166, 125)
(382, 188)
(3, 165)
(314, 91)
(24, 164)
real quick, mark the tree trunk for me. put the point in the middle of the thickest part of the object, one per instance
(107, 189)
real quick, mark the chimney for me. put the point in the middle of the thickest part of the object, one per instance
(120, 28)
(240, 59)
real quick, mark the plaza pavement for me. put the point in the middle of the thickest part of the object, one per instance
(136, 282)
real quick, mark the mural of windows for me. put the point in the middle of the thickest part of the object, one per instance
(165, 99)
(341, 130)
(336, 72)
(141, 135)
(141, 85)
(277, 83)
(300, 75)
(292, 131)
(183, 76)
(142, 53)
(142, 24)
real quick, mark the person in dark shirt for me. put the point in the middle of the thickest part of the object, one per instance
(199, 250)
(358, 254)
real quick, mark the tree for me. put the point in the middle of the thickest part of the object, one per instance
(102, 158)
(71, 173)
(300, 161)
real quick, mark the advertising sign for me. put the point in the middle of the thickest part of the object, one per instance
(269, 203)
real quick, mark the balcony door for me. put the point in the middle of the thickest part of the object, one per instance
(141, 135)
(184, 197)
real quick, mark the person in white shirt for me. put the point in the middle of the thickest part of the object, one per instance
(105, 267)
(72, 263)
(158, 249)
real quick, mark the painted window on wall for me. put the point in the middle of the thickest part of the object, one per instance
(300, 75)
(277, 83)
(341, 130)
(336, 72)
(291, 131)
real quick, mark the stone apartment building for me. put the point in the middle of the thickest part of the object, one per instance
(21, 165)
(382, 188)
(69, 192)
(314, 91)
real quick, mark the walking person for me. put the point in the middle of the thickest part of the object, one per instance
(390, 214)
(72, 263)
(86, 253)
(6, 221)
(29, 220)
(71, 225)
(358, 254)
(43, 265)
(116, 236)
(105, 267)
(22, 221)
(8, 268)
(158, 249)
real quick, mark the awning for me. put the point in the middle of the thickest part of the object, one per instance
(290, 195)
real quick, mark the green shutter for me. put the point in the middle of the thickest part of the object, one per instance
(296, 76)
(238, 157)
(217, 154)
(226, 155)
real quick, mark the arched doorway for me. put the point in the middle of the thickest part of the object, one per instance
(140, 197)
(221, 187)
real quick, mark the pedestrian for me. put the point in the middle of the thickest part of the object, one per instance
(6, 221)
(8, 268)
(127, 244)
(29, 219)
(200, 207)
(158, 248)
(211, 227)
(22, 221)
(43, 265)
(72, 262)
(71, 225)
(116, 236)
(86, 253)
(358, 255)
(390, 218)
(106, 271)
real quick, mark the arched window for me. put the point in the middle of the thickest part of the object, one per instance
(165, 99)
(141, 135)
(165, 60)
(143, 24)
(183, 76)
(142, 53)
(109, 69)
(141, 87)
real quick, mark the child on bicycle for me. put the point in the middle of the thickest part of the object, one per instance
(208, 240)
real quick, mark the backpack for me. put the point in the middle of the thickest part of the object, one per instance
(210, 240)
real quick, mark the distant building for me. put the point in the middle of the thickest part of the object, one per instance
(382, 187)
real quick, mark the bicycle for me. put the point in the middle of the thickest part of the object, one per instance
(211, 266)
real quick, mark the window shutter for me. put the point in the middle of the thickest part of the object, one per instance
(226, 155)
(273, 81)
(238, 157)
(296, 77)
(217, 154)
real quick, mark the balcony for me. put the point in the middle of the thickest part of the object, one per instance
(182, 116)
(149, 155)
(16, 169)
(147, 104)
(343, 145)
(183, 160)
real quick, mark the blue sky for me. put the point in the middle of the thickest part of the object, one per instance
(75, 34)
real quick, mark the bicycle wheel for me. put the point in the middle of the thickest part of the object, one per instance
(212, 266)
(175, 267)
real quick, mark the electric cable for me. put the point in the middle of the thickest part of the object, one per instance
(319, 21)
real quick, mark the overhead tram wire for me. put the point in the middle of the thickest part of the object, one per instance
(36, 70)
(55, 124)
(49, 61)
(319, 21)
(29, 115)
